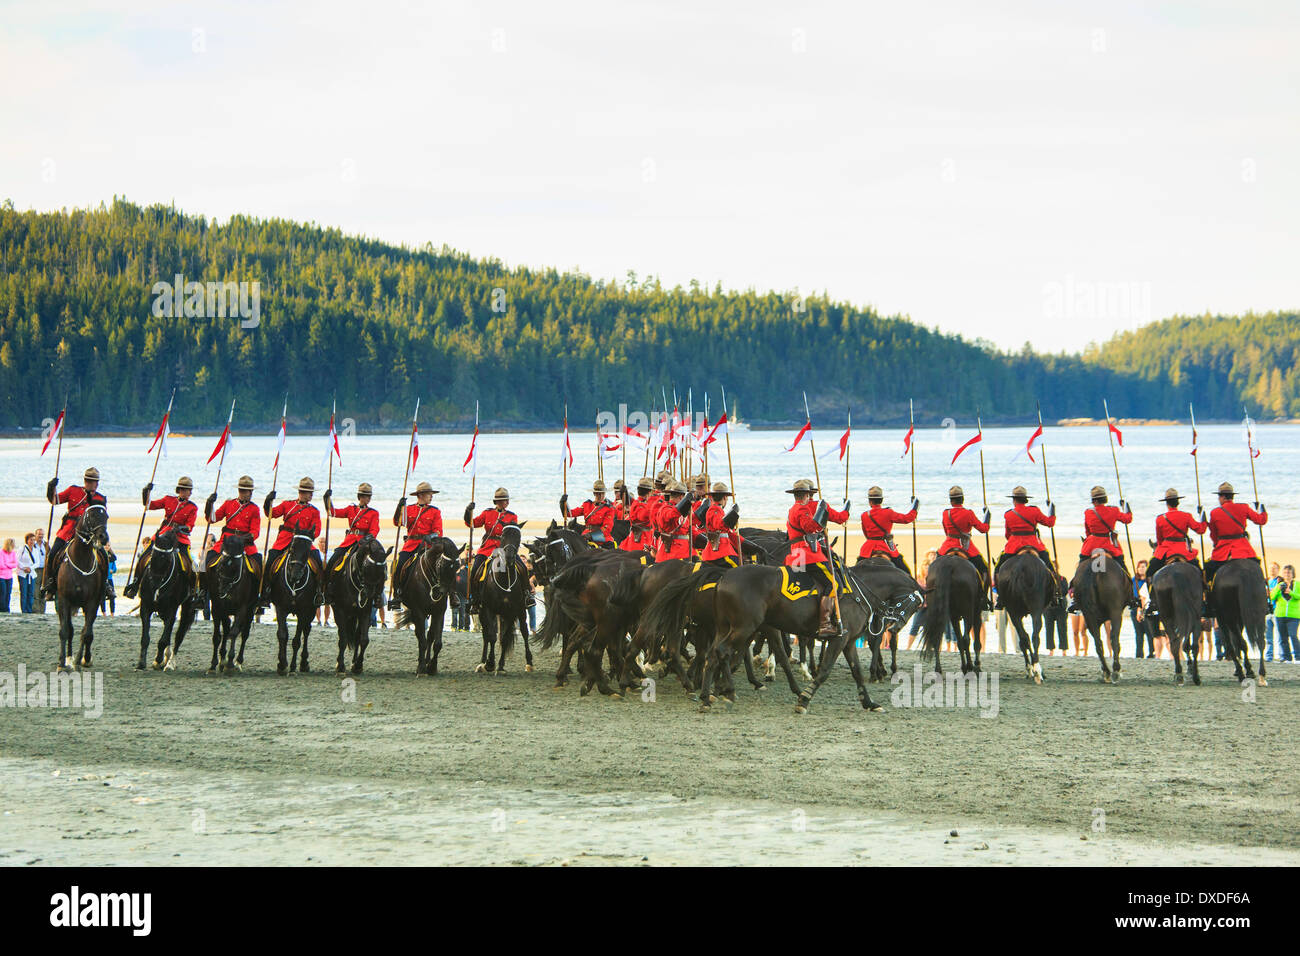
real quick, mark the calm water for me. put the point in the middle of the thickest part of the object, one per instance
(529, 465)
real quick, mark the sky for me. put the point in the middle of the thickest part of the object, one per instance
(1036, 172)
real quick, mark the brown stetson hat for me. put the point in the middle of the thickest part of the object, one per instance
(803, 484)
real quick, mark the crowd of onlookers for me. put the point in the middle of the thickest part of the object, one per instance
(25, 563)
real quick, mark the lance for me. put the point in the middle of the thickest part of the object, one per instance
(1250, 446)
(406, 474)
(58, 455)
(706, 422)
(1118, 487)
(473, 481)
(329, 481)
(984, 493)
(207, 512)
(564, 460)
(645, 468)
(849, 429)
(911, 448)
(727, 435)
(162, 437)
(600, 452)
(1047, 489)
(275, 477)
(830, 555)
(1196, 466)
(689, 458)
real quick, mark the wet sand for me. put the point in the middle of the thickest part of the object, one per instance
(462, 768)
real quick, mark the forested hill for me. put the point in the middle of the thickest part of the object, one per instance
(378, 325)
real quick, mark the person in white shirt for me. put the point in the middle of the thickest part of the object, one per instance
(26, 573)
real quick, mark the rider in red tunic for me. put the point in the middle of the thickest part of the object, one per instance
(722, 546)
(958, 524)
(672, 524)
(179, 515)
(1173, 534)
(1100, 522)
(1228, 530)
(640, 514)
(362, 520)
(493, 520)
(240, 515)
(1022, 523)
(805, 526)
(877, 523)
(78, 498)
(597, 516)
(299, 518)
(421, 520)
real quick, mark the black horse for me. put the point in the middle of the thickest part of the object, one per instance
(82, 578)
(1176, 592)
(1025, 589)
(754, 596)
(430, 580)
(1238, 601)
(954, 598)
(234, 581)
(354, 588)
(1102, 589)
(503, 603)
(164, 589)
(293, 582)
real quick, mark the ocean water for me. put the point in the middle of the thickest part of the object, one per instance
(1153, 458)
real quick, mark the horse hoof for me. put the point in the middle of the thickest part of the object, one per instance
(1038, 678)
(584, 691)
(528, 668)
(1105, 678)
(800, 709)
(212, 670)
(140, 666)
(1262, 682)
(1197, 680)
(339, 672)
(1178, 680)
(875, 709)
(305, 669)
(615, 695)
(282, 671)
(481, 669)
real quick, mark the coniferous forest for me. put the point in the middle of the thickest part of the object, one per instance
(379, 324)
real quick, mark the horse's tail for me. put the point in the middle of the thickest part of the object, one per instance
(626, 590)
(506, 626)
(563, 613)
(666, 612)
(934, 625)
(402, 619)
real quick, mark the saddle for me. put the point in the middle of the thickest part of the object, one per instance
(313, 563)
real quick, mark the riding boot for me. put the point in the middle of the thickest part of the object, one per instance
(826, 627)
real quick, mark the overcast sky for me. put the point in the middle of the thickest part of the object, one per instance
(1044, 171)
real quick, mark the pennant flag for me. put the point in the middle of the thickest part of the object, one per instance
(279, 439)
(1194, 440)
(635, 438)
(974, 440)
(161, 436)
(608, 444)
(719, 430)
(838, 449)
(54, 432)
(799, 437)
(471, 460)
(566, 448)
(334, 443)
(415, 446)
(1035, 440)
(907, 440)
(222, 442)
(1119, 436)
(1250, 437)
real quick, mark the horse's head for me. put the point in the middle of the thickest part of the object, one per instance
(369, 562)
(230, 566)
(92, 526)
(296, 569)
(161, 553)
(511, 538)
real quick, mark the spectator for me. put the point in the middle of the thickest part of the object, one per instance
(323, 612)
(1286, 609)
(920, 611)
(1079, 635)
(1270, 622)
(532, 597)
(209, 546)
(110, 591)
(39, 551)
(26, 573)
(8, 565)
(1142, 637)
(1002, 623)
(1054, 620)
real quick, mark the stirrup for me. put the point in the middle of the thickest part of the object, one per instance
(131, 590)
(395, 602)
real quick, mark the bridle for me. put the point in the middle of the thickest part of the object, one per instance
(87, 538)
(290, 561)
(887, 613)
(171, 570)
(358, 561)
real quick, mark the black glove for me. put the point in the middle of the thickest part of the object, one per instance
(987, 517)
(329, 494)
(916, 505)
(819, 516)
(564, 505)
(1051, 510)
(50, 487)
(1123, 506)
(1200, 511)
(397, 515)
(144, 494)
(207, 505)
(733, 517)
(684, 506)
(266, 505)
(701, 510)
(469, 512)
(847, 504)
(1260, 508)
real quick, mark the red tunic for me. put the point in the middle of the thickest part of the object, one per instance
(727, 544)
(798, 523)
(668, 522)
(641, 512)
(595, 517)
(244, 518)
(1172, 529)
(75, 497)
(1228, 530)
(1022, 523)
(420, 521)
(492, 521)
(361, 522)
(180, 515)
(1100, 522)
(959, 523)
(299, 518)
(877, 522)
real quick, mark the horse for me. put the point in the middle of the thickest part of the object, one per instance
(954, 598)
(82, 577)
(1025, 589)
(1101, 590)
(430, 582)
(355, 585)
(293, 585)
(1238, 599)
(1176, 592)
(876, 642)
(503, 603)
(164, 588)
(234, 582)
(754, 596)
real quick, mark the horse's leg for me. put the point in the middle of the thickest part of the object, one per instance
(834, 647)
(361, 640)
(487, 623)
(963, 646)
(343, 625)
(65, 633)
(716, 656)
(245, 620)
(422, 645)
(975, 640)
(855, 665)
(781, 650)
(1176, 648)
(88, 613)
(1116, 623)
(182, 629)
(165, 639)
(893, 652)
(1193, 652)
(748, 660)
(1035, 668)
(145, 614)
(528, 651)
(304, 628)
(435, 641)
(1101, 651)
(216, 638)
(282, 636)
